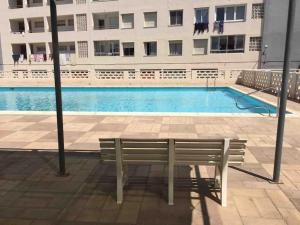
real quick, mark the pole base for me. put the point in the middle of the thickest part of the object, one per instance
(59, 174)
(275, 182)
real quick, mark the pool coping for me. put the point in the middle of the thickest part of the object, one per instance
(179, 114)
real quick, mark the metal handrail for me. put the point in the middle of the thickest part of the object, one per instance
(236, 99)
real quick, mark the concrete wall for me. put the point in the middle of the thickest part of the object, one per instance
(162, 34)
(1, 57)
(274, 31)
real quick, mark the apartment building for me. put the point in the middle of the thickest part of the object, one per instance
(274, 33)
(133, 34)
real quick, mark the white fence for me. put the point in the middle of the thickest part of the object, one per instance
(261, 79)
(99, 77)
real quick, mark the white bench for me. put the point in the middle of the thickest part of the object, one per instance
(215, 152)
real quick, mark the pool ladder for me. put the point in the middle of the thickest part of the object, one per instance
(236, 99)
(215, 81)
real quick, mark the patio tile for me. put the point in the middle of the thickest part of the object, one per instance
(260, 221)
(246, 206)
(84, 127)
(21, 136)
(15, 126)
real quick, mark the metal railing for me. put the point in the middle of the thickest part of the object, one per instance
(266, 107)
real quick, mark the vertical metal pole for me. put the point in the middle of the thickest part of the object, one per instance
(284, 91)
(59, 115)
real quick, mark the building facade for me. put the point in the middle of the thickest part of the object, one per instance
(133, 34)
(274, 34)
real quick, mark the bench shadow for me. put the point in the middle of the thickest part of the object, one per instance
(146, 192)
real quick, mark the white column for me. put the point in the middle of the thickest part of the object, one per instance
(46, 25)
(75, 22)
(26, 25)
(25, 3)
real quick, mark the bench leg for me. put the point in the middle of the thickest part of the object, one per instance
(217, 176)
(224, 172)
(171, 172)
(119, 168)
(224, 186)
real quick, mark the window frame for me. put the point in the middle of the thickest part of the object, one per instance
(155, 26)
(235, 13)
(110, 45)
(124, 49)
(127, 14)
(235, 50)
(176, 42)
(145, 49)
(205, 50)
(195, 14)
(170, 20)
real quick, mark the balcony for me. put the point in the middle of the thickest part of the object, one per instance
(34, 3)
(17, 26)
(103, 21)
(36, 25)
(64, 23)
(15, 4)
(38, 52)
(107, 48)
(19, 53)
(61, 2)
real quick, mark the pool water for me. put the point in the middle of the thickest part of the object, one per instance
(177, 99)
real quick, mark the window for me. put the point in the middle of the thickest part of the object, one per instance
(101, 24)
(255, 44)
(228, 44)
(201, 15)
(150, 48)
(61, 23)
(107, 48)
(81, 22)
(128, 21)
(83, 49)
(72, 48)
(231, 13)
(175, 48)
(70, 22)
(128, 49)
(258, 11)
(40, 49)
(39, 24)
(200, 47)
(150, 19)
(63, 49)
(176, 18)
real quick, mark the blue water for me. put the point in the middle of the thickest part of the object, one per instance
(179, 99)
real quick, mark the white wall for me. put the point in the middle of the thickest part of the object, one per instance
(162, 34)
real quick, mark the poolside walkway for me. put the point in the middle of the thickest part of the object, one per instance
(32, 194)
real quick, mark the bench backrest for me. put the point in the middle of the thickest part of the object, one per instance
(186, 151)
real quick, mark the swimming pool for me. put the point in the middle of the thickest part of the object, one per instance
(173, 99)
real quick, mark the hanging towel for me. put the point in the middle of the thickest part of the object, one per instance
(216, 26)
(16, 58)
(221, 27)
(62, 59)
(73, 59)
(21, 58)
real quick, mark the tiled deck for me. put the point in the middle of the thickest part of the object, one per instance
(30, 192)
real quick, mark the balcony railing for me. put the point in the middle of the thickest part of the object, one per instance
(106, 27)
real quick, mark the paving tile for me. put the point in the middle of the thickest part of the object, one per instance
(246, 206)
(266, 208)
(84, 127)
(260, 221)
(280, 199)
(21, 136)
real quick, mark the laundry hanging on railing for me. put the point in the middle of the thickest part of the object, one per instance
(200, 27)
(219, 26)
(16, 58)
(38, 57)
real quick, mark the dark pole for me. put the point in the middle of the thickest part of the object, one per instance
(284, 91)
(59, 114)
